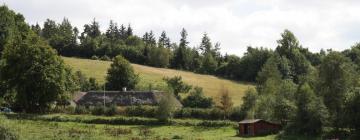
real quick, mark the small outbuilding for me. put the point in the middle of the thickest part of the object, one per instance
(254, 127)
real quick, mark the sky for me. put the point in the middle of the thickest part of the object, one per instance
(236, 24)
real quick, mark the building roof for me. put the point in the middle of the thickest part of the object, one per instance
(121, 98)
(249, 121)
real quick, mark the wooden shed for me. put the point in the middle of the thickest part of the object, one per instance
(253, 127)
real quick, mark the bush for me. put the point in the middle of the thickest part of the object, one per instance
(237, 114)
(141, 111)
(61, 109)
(177, 137)
(214, 113)
(217, 114)
(98, 110)
(94, 57)
(110, 111)
(6, 134)
(105, 58)
(196, 99)
(214, 123)
(81, 110)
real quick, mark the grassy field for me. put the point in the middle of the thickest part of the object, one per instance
(150, 75)
(32, 129)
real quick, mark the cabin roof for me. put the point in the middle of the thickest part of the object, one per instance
(249, 121)
(122, 98)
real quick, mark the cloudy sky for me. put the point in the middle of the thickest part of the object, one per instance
(236, 24)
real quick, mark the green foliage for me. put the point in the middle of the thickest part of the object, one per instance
(164, 41)
(268, 73)
(352, 112)
(81, 110)
(285, 107)
(37, 74)
(311, 114)
(249, 102)
(290, 48)
(167, 107)
(98, 110)
(209, 65)
(12, 26)
(86, 84)
(105, 58)
(94, 57)
(121, 74)
(226, 103)
(111, 110)
(142, 111)
(159, 57)
(182, 54)
(337, 78)
(196, 99)
(248, 67)
(6, 134)
(177, 85)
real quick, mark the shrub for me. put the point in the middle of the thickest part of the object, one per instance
(61, 109)
(81, 110)
(196, 99)
(6, 134)
(199, 113)
(105, 58)
(167, 108)
(216, 113)
(214, 123)
(237, 114)
(177, 137)
(141, 111)
(110, 111)
(94, 57)
(98, 110)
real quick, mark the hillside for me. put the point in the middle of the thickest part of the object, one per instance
(150, 75)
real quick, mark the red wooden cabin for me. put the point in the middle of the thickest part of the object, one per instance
(255, 127)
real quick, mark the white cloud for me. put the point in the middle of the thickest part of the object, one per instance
(234, 23)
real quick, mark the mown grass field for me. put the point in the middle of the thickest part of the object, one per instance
(33, 129)
(153, 76)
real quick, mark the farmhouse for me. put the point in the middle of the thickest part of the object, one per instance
(253, 127)
(119, 98)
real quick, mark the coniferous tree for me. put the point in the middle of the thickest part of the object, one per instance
(129, 31)
(36, 28)
(182, 58)
(164, 41)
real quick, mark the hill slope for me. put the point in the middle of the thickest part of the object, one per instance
(151, 75)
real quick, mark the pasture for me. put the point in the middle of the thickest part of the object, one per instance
(151, 76)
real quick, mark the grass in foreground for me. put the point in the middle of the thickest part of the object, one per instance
(151, 75)
(38, 129)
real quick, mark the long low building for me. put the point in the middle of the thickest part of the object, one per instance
(119, 98)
